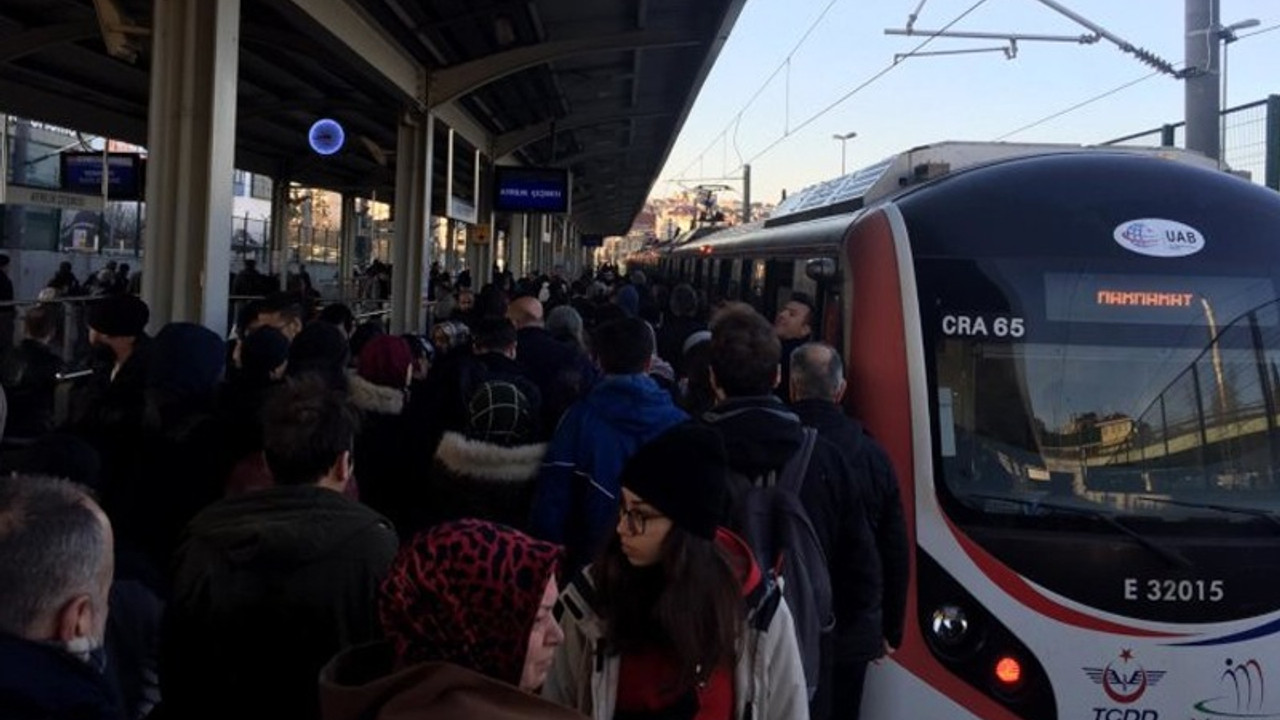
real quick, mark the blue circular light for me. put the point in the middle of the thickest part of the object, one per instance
(326, 136)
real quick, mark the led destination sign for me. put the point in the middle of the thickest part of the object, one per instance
(531, 190)
(1153, 299)
(82, 173)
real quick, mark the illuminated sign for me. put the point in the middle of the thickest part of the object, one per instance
(530, 190)
(1128, 298)
(1154, 299)
(82, 173)
(326, 136)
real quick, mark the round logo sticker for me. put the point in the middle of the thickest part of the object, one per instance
(1159, 238)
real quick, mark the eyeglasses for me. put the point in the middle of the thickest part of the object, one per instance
(636, 520)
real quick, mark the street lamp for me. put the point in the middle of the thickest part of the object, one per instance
(843, 138)
(1228, 35)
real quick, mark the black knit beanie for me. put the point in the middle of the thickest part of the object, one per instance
(681, 473)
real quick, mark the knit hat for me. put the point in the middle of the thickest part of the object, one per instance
(467, 592)
(186, 359)
(500, 414)
(420, 346)
(264, 350)
(119, 316)
(681, 473)
(694, 340)
(385, 361)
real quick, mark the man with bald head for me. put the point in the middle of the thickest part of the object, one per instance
(817, 386)
(56, 551)
(562, 372)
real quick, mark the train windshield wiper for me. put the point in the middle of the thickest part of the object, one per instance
(1235, 509)
(1173, 557)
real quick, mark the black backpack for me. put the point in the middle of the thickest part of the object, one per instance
(767, 513)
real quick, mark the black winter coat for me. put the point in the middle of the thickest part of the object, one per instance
(269, 586)
(473, 478)
(871, 467)
(40, 682)
(760, 435)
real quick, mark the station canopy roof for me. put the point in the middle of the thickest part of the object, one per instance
(600, 87)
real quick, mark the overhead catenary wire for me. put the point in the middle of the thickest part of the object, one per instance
(784, 65)
(1079, 105)
(864, 84)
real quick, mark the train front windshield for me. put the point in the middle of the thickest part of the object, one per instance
(1111, 390)
(1104, 411)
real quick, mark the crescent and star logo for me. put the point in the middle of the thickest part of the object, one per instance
(1124, 679)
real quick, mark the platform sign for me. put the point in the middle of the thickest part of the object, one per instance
(530, 190)
(42, 197)
(82, 173)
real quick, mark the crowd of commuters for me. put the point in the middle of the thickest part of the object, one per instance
(536, 509)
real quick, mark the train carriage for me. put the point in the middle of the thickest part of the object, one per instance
(1073, 359)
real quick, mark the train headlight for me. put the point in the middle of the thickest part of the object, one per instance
(949, 625)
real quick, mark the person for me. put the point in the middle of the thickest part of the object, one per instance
(467, 612)
(566, 326)
(384, 446)
(562, 373)
(271, 584)
(762, 436)
(56, 564)
(322, 350)
(340, 315)
(248, 281)
(64, 281)
(675, 619)
(817, 385)
(794, 326)
(487, 471)
(577, 489)
(8, 313)
(678, 326)
(29, 373)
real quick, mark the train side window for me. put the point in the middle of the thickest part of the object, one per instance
(777, 285)
(755, 280)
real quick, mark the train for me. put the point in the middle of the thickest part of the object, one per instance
(1072, 357)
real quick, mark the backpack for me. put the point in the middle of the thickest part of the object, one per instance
(767, 513)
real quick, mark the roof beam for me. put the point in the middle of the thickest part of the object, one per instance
(451, 83)
(37, 39)
(508, 143)
(368, 44)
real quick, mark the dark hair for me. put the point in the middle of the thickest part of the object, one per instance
(814, 378)
(286, 304)
(4, 260)
(248, 314)
(684, 301)
(745, 351)
(40, 322)
(806, 300)
(623, 346)
(52, 545)
(340, 315)
(493, 334)
(306, 427)
(690, 603)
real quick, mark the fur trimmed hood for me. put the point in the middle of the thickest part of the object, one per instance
(463, 456)
(375, 398)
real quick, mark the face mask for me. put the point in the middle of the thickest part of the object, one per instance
(89, 651)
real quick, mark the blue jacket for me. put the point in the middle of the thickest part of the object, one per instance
(576, 501)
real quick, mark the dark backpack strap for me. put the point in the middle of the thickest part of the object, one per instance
(794, 472)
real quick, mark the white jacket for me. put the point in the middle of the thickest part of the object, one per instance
(768, 680)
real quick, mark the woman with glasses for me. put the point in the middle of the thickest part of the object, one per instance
(674, 621)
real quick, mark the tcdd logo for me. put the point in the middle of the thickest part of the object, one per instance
(1125, 682)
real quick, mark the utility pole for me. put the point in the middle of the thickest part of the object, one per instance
(746, 193)
(1203, 102)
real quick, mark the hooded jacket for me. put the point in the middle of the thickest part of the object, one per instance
(383, 449)
(39, 682)
(474, 478)
(269, 586)
(760, 435)
(361, 684)
(576, 500)
(768, 680)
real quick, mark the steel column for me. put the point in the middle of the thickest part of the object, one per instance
(410, 246)
(191, 142)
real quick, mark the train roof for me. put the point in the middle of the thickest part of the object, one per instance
(881, 180)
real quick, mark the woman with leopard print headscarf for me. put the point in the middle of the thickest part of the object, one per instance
(467, 611)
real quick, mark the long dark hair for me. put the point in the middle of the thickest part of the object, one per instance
(689, 603)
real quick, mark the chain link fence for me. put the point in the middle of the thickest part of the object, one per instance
(1250, 139)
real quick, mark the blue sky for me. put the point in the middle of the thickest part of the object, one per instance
(929, 99)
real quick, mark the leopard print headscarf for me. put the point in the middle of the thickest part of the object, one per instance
(467, 592)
